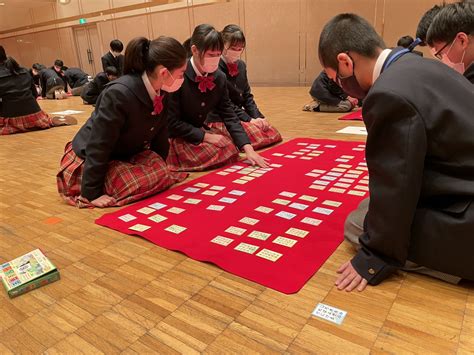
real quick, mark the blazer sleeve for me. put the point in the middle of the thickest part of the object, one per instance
(249, 103)
(104, 63)
(43, 85)
(179, 128)
(231, 121)
(396, 149)
(109, 119)
(242, 114)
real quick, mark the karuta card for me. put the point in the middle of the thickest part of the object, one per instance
(300, 233)
(351, 176)
(174, 228)
(326, 211)
(235, 230)
(347, 156)
(227, 200)
(308, 198)
(356, 193)
(246, 248)
(240, 181)
(222, 240)
(349, 181)
(264, 209)
(332, 203)
(339, 170)
(312, 174)
(269, 255)
(175, 197)
(210, 192)
(201, 184)
(329, 313)
(360, 187)
(248, 220)
(287, 194)
(191, 189)
(335, 189)
(217, 188)
(236, 167)
(276, 165)
(280, 201)
(332, 173)
(157, 205)
(302, 143)
(127, 217)
(340, 184)
(286, 215)
(157, 218)
(192, 201)
(317, 187)
(215, 207)
(255, 175)
(175, 210)
(277, 154)
(345, 166)
(290, 156)
(259, 235)
(146, 210)
(287, 242)
(306, 158)
(357, 172)
(311, 221)
(222, 173)
(247, 178)
(139, 227)
(329, 178)
(317, 171)
(237, 193)
(298, 206)
(321, 182)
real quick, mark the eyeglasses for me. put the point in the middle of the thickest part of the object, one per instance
(439, 54)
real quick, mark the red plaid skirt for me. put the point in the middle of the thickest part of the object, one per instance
(143, 175)
(35, 121)
(258, 137)
(185, 156)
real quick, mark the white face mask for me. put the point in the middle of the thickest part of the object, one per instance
(458, 66)
(174, 86)
(232, 56)
(210, 64)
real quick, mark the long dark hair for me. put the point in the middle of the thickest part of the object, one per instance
(205, 37)
(9, 62)
(233, 35)
(142, 54)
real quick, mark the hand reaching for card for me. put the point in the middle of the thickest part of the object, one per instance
(254, 157)
(349, 278)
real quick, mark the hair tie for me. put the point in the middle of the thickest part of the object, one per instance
(146, 47)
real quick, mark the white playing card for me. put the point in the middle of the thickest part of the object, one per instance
(269, 255)
(146, 210)
(298, 206)
(191, 189)
(342, 160)
(345, 166)
(300, 233)
(308, 198)
(305, 150)
(364, 182)
(314, 154)
(362, 168)
(329, 178)
(217, 188)
(264, 209)
(255, 175)
(363, 164)
(174, 228)
(357, 172)
(281, 201)
(351, 176)
(287, 194)
(311, 221)
(175, 210)
(317, 171)
(332, 314)
(192, 201)
(259, 235)
(247, 178)
(127, 217)
(227, 200)
(246, 248)
(277, 154)
(235, 230)
(317, 187)
(341, 170)
(236, 167)
(329, 146)
(157, 205)
(356, 193)
(139, 227)
(175, 197)
(215, 207)
(157, 218)
(332, 173)
(286, 215)
(210, 192)
(297, 153)
(230, 170)
(287, 242)
(326, 211)
(240, 181)
(248, 220)
(312, 174)
(290, 156)
(237, 193)
(222, 240)
(347, 156)
(335, 189)
(332, 203)
(302, 143)
(276, 165)
(350, 181)
(358, 149)
(340, 184)
(363, 188)
(321, 182)
(201, 184)
(222, 173)
(306, 158)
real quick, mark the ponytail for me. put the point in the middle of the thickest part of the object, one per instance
(187, 47)
(12, 65)
(142, 54)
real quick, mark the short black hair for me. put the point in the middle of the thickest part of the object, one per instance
(233, 35)
(38, 66)
(348, 33)
(405, 41)
(59, 63)
(206, 38)
(425, 22)
(452, 19)
(116, 45)
(3, 54)
(111, 71)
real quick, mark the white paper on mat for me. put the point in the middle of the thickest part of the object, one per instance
(354, 130)
(67, 112)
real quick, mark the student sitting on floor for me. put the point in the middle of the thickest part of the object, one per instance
(77, 79)
(53, 82)
(450, 37)
(35, 71)
(19, 110)
(420, 157)
(328, 96)
(114, 57)
(195, 146)
(91, 92)
(260, 133)
(119, 155)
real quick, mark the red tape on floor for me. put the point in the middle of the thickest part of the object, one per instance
(273, 226)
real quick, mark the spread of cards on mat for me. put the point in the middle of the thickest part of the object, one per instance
(275, 226)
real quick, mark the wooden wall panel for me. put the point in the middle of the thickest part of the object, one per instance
(48, 43)
(95, 5)
(29, 50)
(174, 23)
(68, 10)
(44, 13)
(106, 34)
(67, 47)
(218, 15)
(131, 27)
(12, 49)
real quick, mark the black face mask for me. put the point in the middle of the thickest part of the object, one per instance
(350, 85)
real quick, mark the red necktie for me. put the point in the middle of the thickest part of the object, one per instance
(205, 83)
(233, 69)
(157, 105)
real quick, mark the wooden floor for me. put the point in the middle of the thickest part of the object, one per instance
(123, 294)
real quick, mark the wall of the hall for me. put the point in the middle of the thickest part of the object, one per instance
(282, 35)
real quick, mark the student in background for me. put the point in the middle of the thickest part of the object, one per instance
(119, 155)
(451, 37)
(258, 129)
(53, 82)
(195, 146)
(406, 42)
(58, 69)
(114, 58)
(35, 71)
(77, 79)
(91, 91)
(19, 110)
(420, 158)
(328, 96)
(425, 22)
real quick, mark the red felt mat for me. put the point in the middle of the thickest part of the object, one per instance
(352, 116)
(274, 226)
